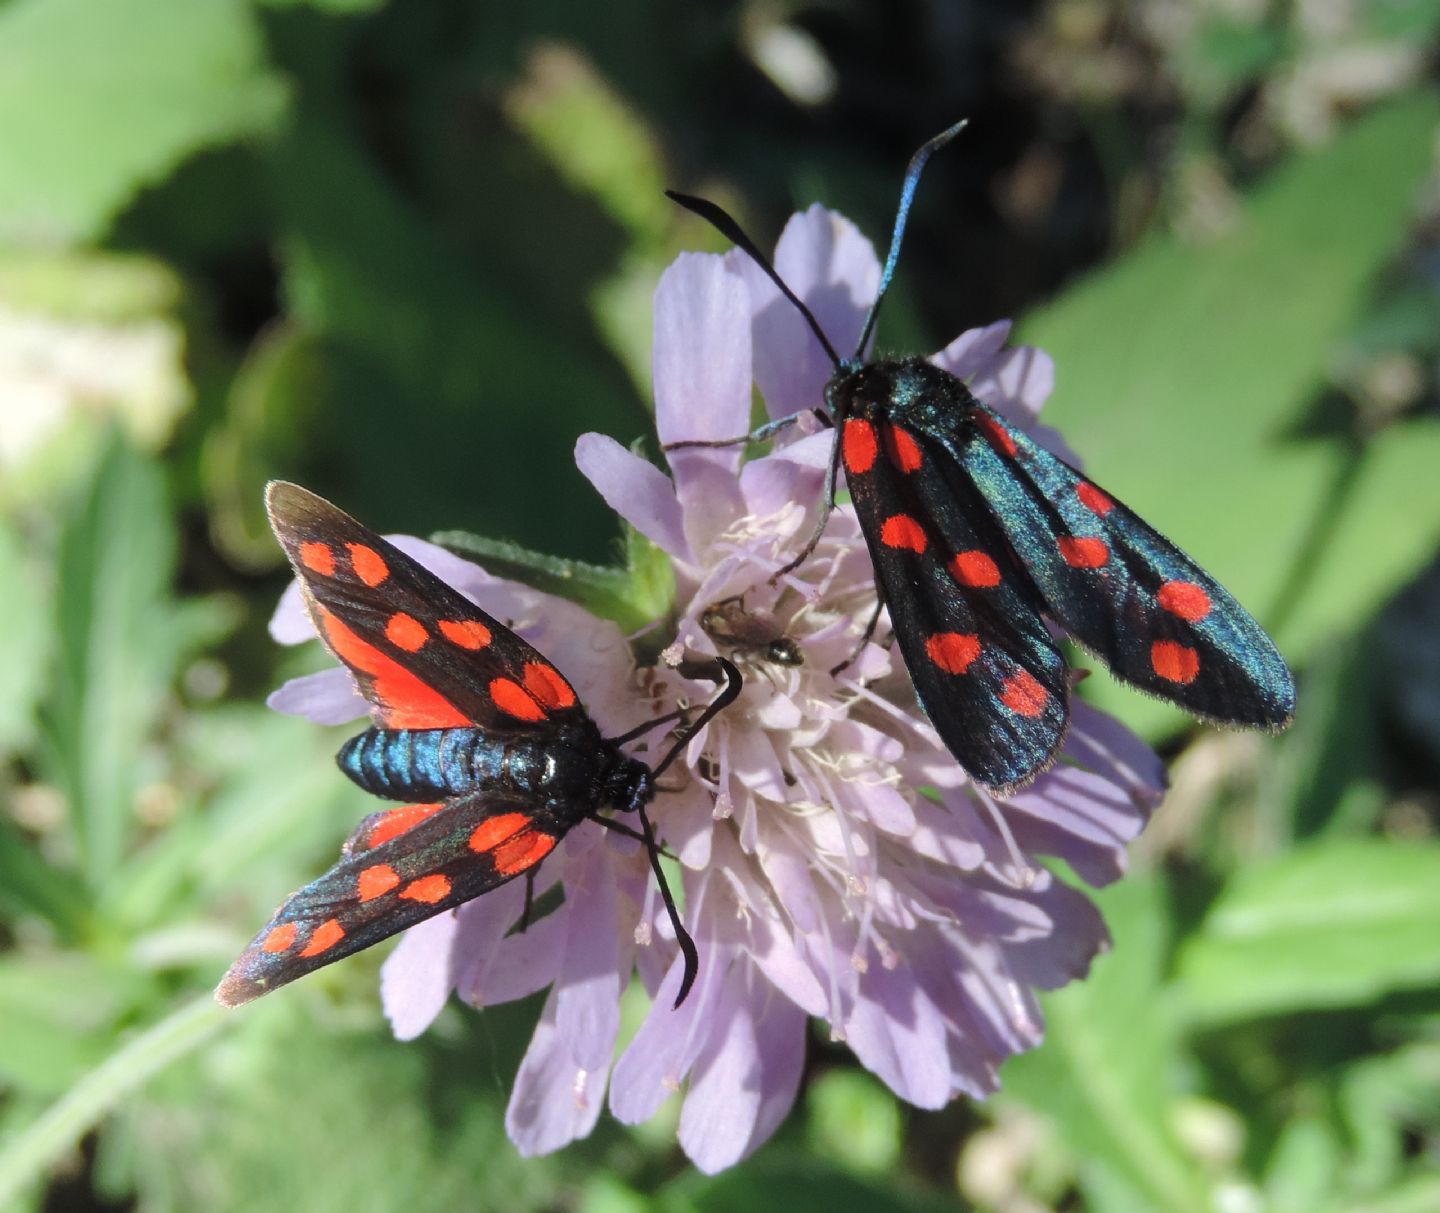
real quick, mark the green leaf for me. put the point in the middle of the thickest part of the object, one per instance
(59, 1010)
(25, 637)
(119, 649)
(98, 100)
(1184, 370)
(1105, 1074)
(779, 1180)
(631, 597)
(854, 1121)
(1337, 923)
(26, 1158)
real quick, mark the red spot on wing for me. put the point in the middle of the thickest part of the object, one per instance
(318, 558)
(1084, 552)
(406, 632)
(491, 832)
(368, 564)
(428, 889)
(902, 531)
(326, 936)
(544, 682)
(376, 881)
(902, 448)
(467, 633)
(859, 446)
(997, 434)
(975, 568)
(1174, 662)
(514, 700)
(1024, 695)
(405, 701)
(280, 939)
(1093, 499)
(523, 851)
(953, 652)
(1184, 598)
(397, 821)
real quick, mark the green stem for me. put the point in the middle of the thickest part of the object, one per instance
(26, 1158)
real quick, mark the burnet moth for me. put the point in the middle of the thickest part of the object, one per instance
(483, 740)
(979, 536)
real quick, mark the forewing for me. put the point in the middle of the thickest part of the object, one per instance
(967, 622)
(423, 654)
(444, 857)
(1120, 588)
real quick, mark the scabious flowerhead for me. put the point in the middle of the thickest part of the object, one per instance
(837, 863)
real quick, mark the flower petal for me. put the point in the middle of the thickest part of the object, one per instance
(415, 978)
(328, 697)
(825, 260)
(555, 1100)
(593, 967)
(636, 490)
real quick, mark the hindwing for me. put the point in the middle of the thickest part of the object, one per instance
(399, 868)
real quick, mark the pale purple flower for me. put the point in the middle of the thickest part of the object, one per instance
(837, 863)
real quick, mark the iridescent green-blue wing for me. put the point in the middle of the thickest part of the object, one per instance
(1123, 590)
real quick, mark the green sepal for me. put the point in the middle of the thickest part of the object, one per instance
(631, 596)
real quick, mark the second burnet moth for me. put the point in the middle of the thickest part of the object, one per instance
(483, 741)
(979, 536)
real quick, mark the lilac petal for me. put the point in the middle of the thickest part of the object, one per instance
(685, 820)
(1082, 818)
(415, 978)
(483, 924)
(972, 349)
(554, 1101)
(789, 875)
(769, 945)
(1104, 745)
(291, 624)
(1016, 383)
(1064, 954)
(519, 964)
(658, 1058)
(328, 697)
(636, 490)
(898, 1034)
(745, 1080)
(592, 970)
(825, 260)
(702, 385)
(723, 1098)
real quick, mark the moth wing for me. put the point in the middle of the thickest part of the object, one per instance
(421, 653)
(1123, 590)
(968, 625)
(450, 855)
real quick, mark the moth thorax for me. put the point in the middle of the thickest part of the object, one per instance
(627, 784)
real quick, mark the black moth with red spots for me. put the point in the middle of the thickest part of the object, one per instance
(979, 536)
(482, 736)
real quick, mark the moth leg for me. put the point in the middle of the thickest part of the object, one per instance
(529, 898)
(764, 432)
(827, 504)
(869, 633)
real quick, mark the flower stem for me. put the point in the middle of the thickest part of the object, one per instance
(27, 1157)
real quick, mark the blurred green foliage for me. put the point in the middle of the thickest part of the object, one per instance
(404, 253)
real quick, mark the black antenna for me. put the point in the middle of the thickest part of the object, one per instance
(907, 196)
(734, 683)
(732, 231)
